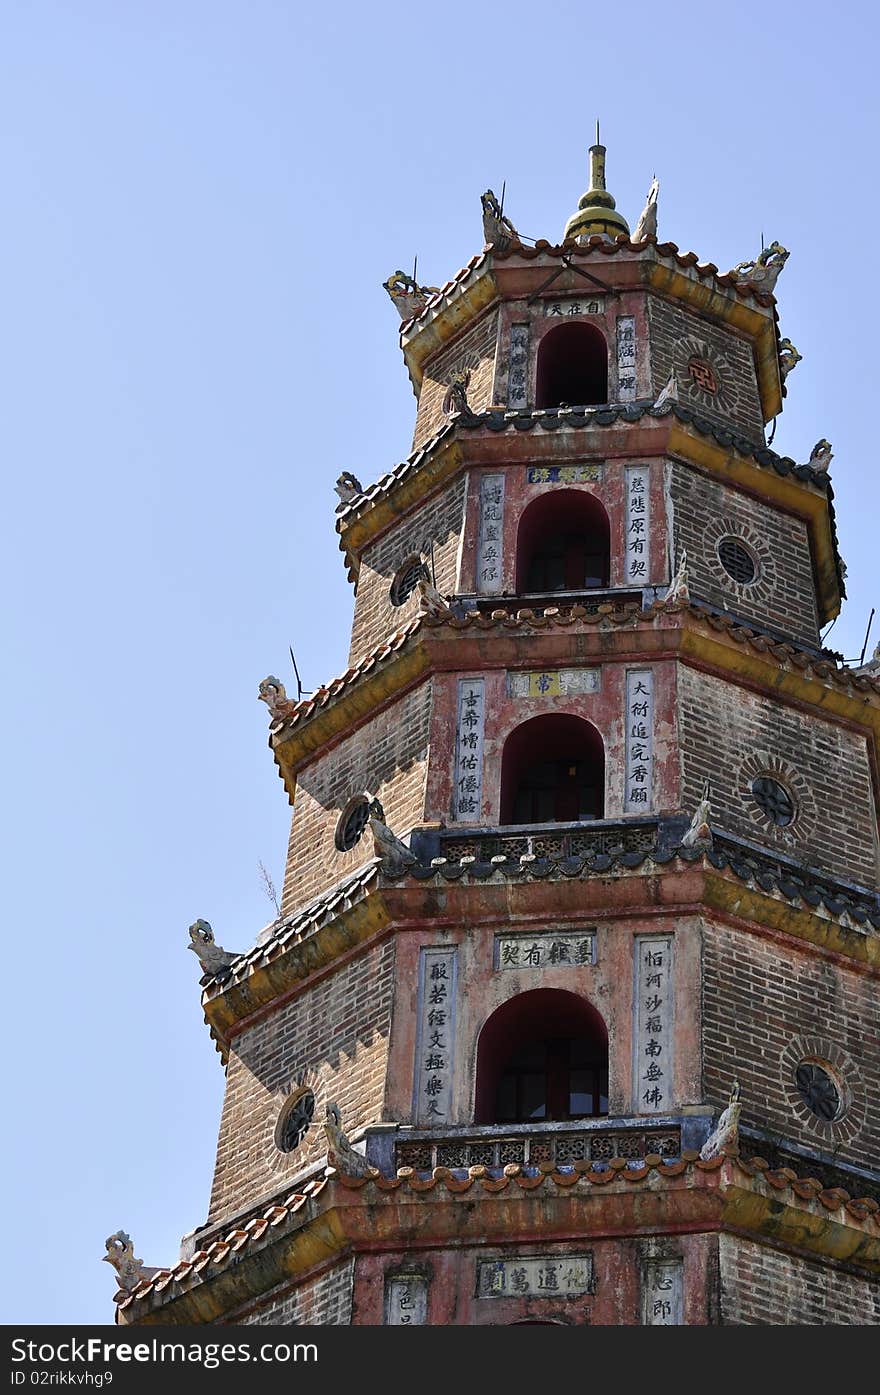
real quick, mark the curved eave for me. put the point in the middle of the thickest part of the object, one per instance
(519, 271)
(705, 297)
(446, 314)
(337, 1216)
(681, 882)
(514, 438)
(430, 645)
(790, 494)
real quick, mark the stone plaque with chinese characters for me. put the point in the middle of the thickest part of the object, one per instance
(490, 550)
(637, 798)
(653, 1035)
(590, 473)
(568, 950)
(564, 306)
(554, 682)
(406, 1301)
(467, 795)
(435, 1037)
(638, 525)
(662, 1295)
(626, 358)
(528, 1277)
(518, 372)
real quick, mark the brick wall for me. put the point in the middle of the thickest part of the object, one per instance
(765, 1009)
(782, 596)
(387, 756)
(733, 736)
(766, 1288)
(678, 336)
(475, 349)
(332, 1037)
(438, 524)
(324, 1301)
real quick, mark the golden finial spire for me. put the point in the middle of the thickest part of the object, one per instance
(597, 212)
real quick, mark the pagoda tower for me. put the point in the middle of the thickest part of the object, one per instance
(570, 1015)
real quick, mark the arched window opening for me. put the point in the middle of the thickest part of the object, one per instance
(542, 1057)
(572, 367)
(553, 771)
(563, 544)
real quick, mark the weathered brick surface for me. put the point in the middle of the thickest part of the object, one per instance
(764, 1009)
(437, 525)
(324, 1301)
(475, 349)
(782, 597)
(761, 1287)
(731, 736)
(333, 1037)
(676, 337)
(387, 757)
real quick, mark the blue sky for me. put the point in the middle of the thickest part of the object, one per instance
(199, 204)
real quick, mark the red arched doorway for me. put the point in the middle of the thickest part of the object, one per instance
(563, 543)
(553, 771)
(542, 1056)
(572, 367)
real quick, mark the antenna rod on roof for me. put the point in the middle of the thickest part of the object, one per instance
(598, 142)
(867, 632)
(503, 187)
(299, 686)
(415, 264)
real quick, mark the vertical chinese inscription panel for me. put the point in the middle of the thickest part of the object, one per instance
(467, 796)
(490, 548)
(653, 1025)
(638, 526)
(435, 1038)
(637, 795)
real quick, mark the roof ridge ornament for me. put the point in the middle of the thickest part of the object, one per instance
(726, 1132)
(409, 297)
(764, 271)
(647, 224)
(789, 358)
(699, 835)
(498, 230)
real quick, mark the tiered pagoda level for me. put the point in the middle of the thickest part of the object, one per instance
(583, 840)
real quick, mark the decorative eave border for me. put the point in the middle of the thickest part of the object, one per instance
(337, 1215)
(676, 275)
(799, 489)
(665, 630)
(680, 881)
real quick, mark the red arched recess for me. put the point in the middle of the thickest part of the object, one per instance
(572, 367)
(562, 543)
(553, 771)
(542, 1055)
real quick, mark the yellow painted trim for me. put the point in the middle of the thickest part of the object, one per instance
(423, 340)
(790, 494)
(718, 650)
(765, 1215)
(322, 1238)
(360, 699)
(759, 325)
(388, 508)
(751, 903)
(298, 961)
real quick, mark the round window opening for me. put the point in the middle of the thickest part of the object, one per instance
(295, 1121)
(355, 817)
(773, 800)
(818, 1090)
(407, 579)
(737, 561)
